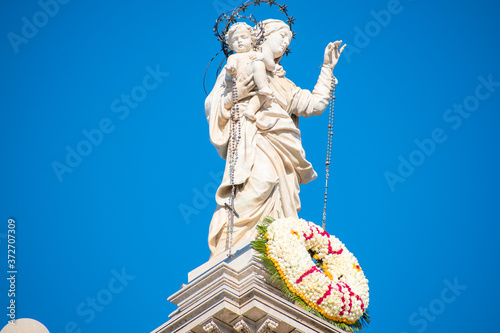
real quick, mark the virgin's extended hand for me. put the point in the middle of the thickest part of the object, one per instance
(332, 53)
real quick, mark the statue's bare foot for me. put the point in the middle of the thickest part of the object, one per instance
(266, 91)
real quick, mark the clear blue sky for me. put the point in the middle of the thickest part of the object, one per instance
(98, 184)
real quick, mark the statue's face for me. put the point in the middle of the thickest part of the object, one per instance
(241, 41)
(278, 41)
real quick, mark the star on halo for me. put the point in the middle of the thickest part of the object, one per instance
(243, 7)
(283, 8)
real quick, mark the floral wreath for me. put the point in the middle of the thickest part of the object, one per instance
(316, 271)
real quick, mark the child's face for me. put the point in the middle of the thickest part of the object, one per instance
(241, 40)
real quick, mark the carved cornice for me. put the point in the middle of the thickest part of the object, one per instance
(236, 295)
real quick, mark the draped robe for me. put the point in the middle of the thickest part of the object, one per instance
(271, 161)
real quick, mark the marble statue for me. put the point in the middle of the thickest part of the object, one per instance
(271, 161)
(242, 38)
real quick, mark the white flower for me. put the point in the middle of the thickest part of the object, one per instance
(288, 243)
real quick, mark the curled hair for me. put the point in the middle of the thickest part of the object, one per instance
(241, 25)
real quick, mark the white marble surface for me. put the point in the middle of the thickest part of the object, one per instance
(271, 162)
(235, 295)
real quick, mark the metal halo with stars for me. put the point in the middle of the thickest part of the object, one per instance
(226, 19)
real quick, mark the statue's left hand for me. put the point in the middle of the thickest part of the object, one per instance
(332, 53)
(256, 56)
(244, 87)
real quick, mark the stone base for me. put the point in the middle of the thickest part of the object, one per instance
(235, 295)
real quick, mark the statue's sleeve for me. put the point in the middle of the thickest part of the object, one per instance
(305, 103)
(218, 116)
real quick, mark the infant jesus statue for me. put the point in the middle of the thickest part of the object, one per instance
(241, 38)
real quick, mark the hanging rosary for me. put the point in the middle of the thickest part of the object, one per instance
(234, 140)
(329, 145)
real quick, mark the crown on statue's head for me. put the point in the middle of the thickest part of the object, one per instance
(226, 20)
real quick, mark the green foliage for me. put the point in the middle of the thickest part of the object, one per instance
(259, 245)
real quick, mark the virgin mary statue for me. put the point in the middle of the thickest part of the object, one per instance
(271, 162)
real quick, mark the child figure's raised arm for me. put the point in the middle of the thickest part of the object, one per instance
(231, 65)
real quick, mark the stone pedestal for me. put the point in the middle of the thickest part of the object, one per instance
(235, 295)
